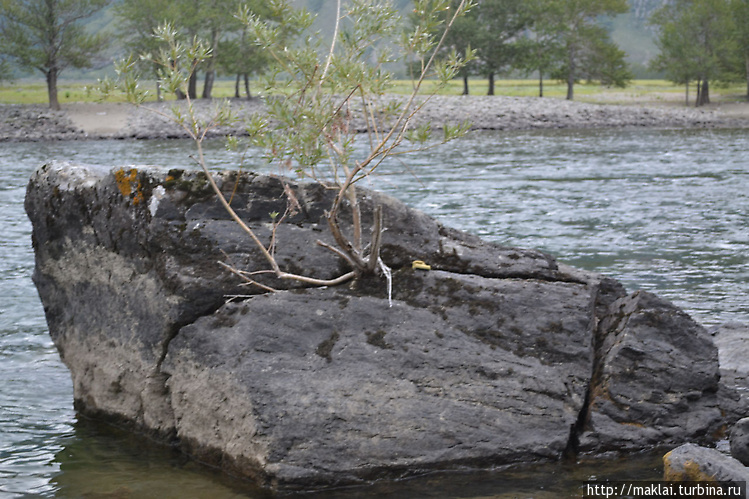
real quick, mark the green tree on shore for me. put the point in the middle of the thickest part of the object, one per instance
(501, 23)
(238, 54)
(541, 50)
(47, 35)
(136, 21)
(462, 37)
(740, 15)
(695, 38)
(210, 20)
(586, 45)
(493, 30)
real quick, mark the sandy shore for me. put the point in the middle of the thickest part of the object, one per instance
(122, 121)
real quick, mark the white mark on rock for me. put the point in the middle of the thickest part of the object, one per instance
(158, 193)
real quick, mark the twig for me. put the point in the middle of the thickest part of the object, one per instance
(332, 44)
(246, 279)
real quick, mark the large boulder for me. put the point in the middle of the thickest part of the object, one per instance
(653, 362)
(497, 355)
(692, 463)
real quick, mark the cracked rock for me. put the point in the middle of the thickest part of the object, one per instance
(495, 356)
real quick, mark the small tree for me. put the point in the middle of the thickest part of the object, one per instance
(541, 49)
(740, 15)
(240, 55)
(462, 36)
(500, 25)
(695, 38)
(47, 35)
(604, 61)
(137, 20)
(308, 127)
(576, 29)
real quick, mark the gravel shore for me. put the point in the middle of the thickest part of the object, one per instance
(121, 121)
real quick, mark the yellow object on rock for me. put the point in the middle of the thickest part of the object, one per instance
(420, 265)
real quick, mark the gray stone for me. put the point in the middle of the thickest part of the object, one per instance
(656, 378)
(732, 340)
(740, 441)
(150, 121)
(495, 356)
(692, 463)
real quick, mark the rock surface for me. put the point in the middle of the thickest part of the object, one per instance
(34, 123)
(732, 340)
(654, 361)
(497, 355)
(740, 441)
(692, 463)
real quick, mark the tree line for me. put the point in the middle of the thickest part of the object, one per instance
(561, 39)
(702, 41)
(699, 41)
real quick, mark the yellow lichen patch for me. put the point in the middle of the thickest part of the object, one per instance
(635, 424)
(689, 472)
(129, 184)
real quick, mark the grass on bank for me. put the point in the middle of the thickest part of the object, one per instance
(651, 91)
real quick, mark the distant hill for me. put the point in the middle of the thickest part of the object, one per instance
(630, 31)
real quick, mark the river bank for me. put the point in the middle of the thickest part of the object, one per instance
(81, 121)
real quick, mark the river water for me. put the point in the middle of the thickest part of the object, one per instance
(662, 210)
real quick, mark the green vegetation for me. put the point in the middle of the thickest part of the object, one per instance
(48, 36)
(740, 16)
(638, 91)
(696, 43)
(704, 41)
(558, 37)
(320, 99)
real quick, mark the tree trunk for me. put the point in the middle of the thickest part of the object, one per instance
(465, 85)
(247, 86)
(178, 93)
(697, 89)
(571, 75)
(236, 86)
(746, 63)
(52, 88)
(540, 83)
(192, 85)
(210, 73)
(703, 93)
(210, 77)
(491, 84)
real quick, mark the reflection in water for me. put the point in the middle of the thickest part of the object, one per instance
(102, 461)
(660, 210)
